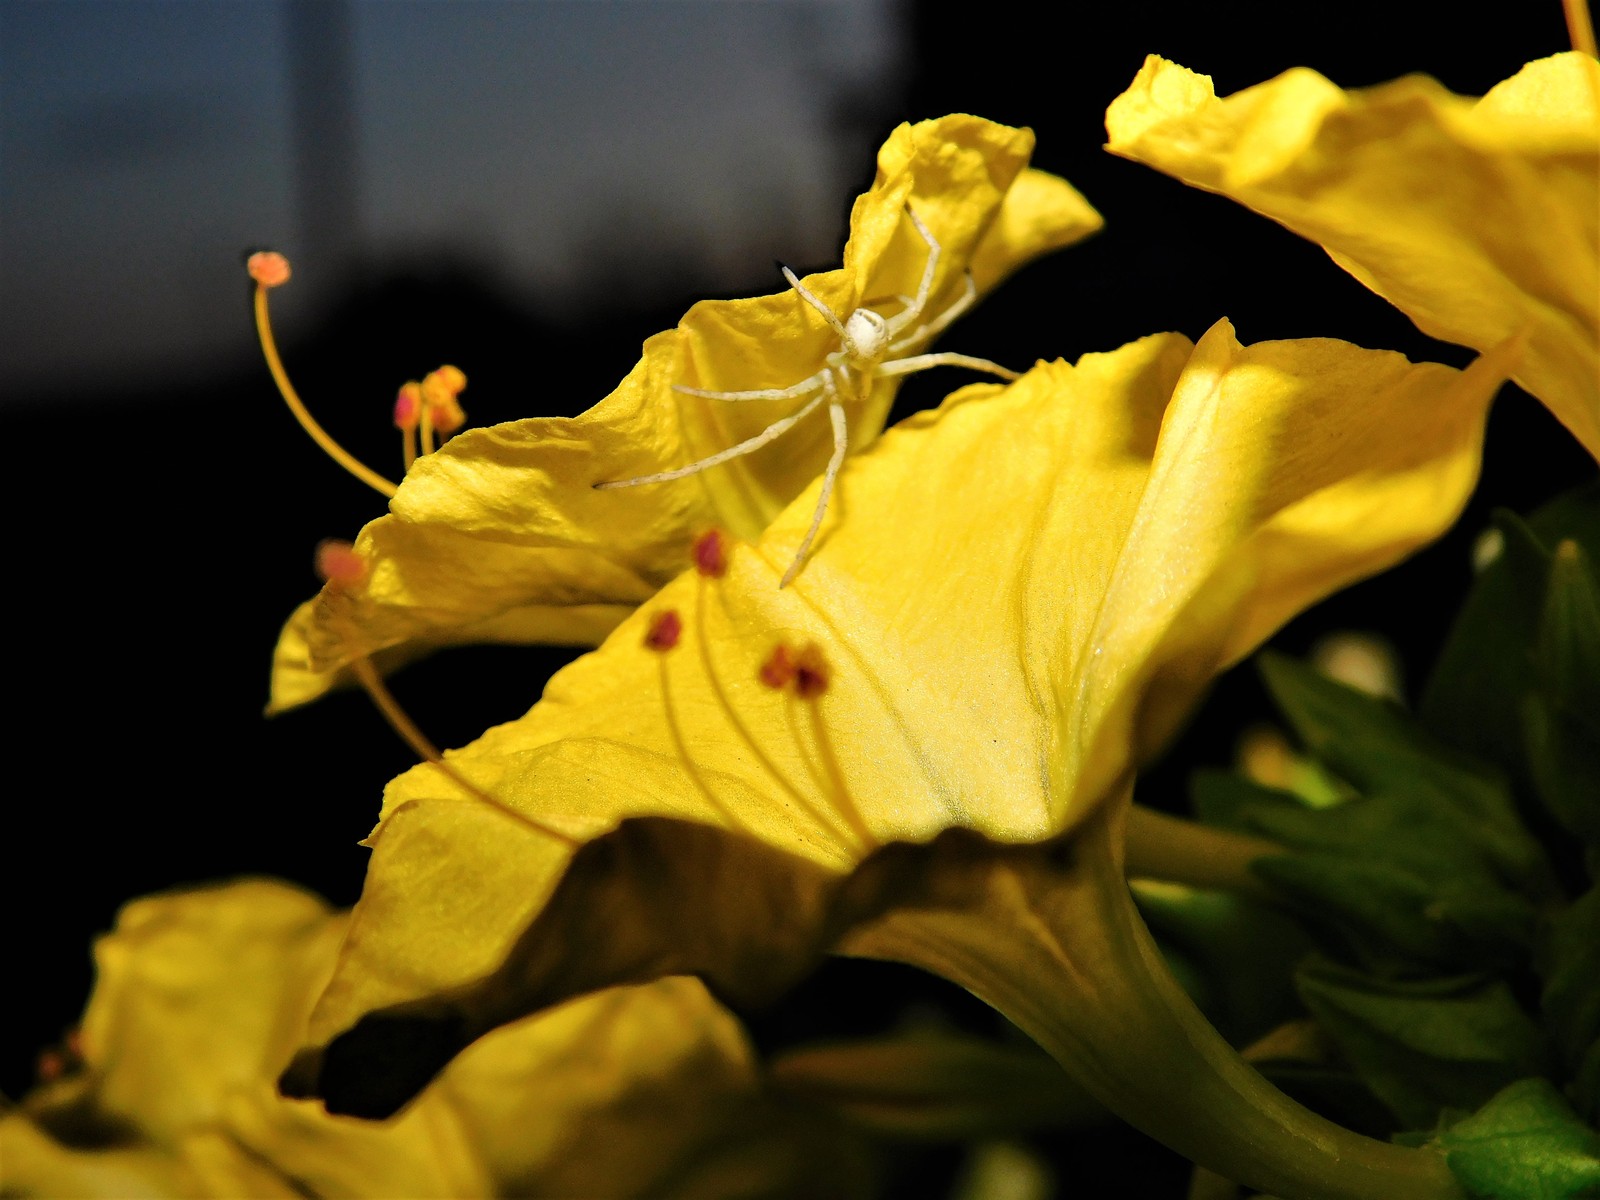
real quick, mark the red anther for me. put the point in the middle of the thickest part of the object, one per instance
(811, 672)
(74, 1043)
(666, 627)
(268, 268)
(778, 669)
(407, 407)
(52, 1065)
(710, 554)
(339, 564)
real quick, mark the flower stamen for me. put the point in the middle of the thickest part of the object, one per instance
(1580, 26)
(407, 416)
(270, 269)
(342, 569)
(664, 634)
(710, 553)
(804, 675)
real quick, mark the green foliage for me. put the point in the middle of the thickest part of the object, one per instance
(1561, 714)
(1455, 971)
(1519, 679)
(1234, 956)
(1403, 881)
(1569, 964)
(1390, 758)
(1425, 1045)
(1524, 1144)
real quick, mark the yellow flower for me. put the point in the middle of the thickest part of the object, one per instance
(202, 995)
(501, 535)
(1017, 600)
(1478, 218)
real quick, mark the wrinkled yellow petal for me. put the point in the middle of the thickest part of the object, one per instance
(199, 993)
(1479, 220)
(501, 535)
(1019, 595)
(34, 1164)
(202, 994)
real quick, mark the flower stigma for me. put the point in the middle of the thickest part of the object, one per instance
(666, 630)
(710, 554)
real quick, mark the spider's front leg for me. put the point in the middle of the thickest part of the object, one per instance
(836, 413)
(771, 433)
(919, 302)
(929, 329)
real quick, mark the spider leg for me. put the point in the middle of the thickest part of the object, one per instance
(925, 331)
(841, 444)
(925, 288)
(828, 315)
(771, 433)
(783, 393)
(921, 362)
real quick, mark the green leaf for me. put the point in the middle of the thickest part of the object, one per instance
(1569, 962)
(936, 1085)
(1396, 920)
(1382, 750)
(1398, 881)
(1524, 1144)
(1473, 699)
(1425, 1045)
(1562, 714)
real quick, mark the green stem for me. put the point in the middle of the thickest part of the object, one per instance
(1057, 945)
(1171, 848)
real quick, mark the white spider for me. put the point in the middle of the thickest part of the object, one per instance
(868, 340)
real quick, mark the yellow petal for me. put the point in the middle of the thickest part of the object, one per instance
(34, 1164)
(1478, 220)
(201, 995)
(501, 532)
(1019, 596)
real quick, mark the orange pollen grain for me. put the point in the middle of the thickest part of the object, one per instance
(339, 564)
(666, 627)
(268, 268)
(439, 390)
(451, 378)
(811, 673)
(710, 554)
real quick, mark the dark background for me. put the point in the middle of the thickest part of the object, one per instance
(161, 525)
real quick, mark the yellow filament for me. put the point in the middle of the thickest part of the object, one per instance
(843, 801)
(408, 447)
(269, 349)
(367, 675)
(685, 758)
(427, 430)
(703, 642)
(1580, 26)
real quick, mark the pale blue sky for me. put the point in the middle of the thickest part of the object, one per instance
(145, 143)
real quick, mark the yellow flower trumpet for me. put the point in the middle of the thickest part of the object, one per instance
(924, 749)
